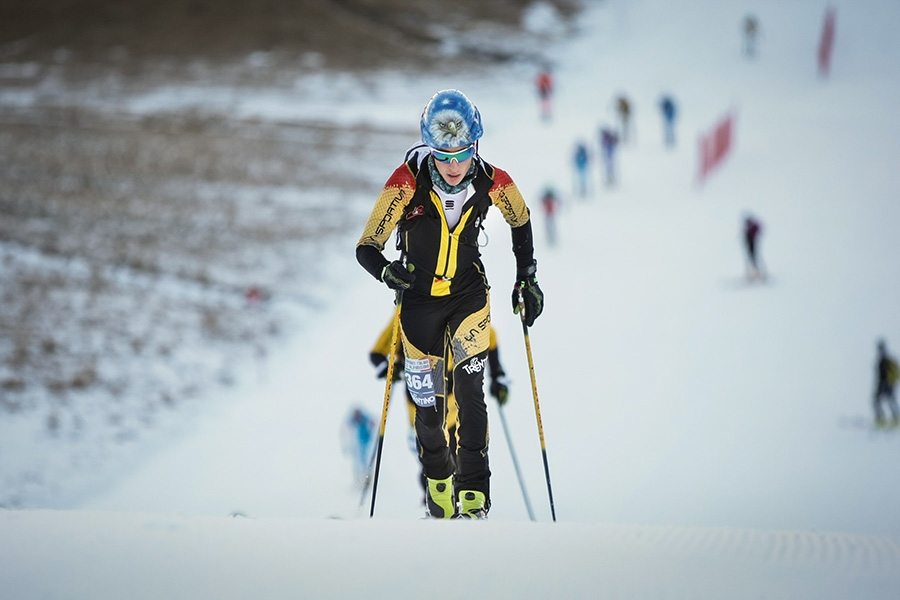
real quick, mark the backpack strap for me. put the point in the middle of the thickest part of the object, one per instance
(415, 158)
(488, 170)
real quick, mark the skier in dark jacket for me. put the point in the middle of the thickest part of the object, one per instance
(751, 33)
(437, 200)
(752, 231)
(609, 141)
(886, 375)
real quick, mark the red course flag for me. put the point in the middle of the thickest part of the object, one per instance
(826, 43)
(714, 146)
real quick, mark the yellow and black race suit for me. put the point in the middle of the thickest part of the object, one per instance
(445, 315)
(445, 260)
(381, 350)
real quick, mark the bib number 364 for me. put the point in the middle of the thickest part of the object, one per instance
(420, 381)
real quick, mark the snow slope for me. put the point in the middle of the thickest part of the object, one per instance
(706, 438)
(142, 556)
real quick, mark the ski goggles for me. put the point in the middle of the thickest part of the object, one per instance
(458, 156)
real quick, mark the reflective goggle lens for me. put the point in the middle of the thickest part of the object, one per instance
(458, 156)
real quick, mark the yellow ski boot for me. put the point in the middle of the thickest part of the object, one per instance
(472, 505)
(439, 498)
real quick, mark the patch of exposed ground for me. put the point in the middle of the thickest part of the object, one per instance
(143, 256)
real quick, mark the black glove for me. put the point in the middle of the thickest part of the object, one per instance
(380, 362)
(527, 288)
(500, 389)
(397, 277)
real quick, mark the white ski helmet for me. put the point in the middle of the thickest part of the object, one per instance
(450, 120)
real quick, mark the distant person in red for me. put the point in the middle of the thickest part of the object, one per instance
(826, 43)
(752, 231)
(254, 296)
(545, 91)
(550, 203)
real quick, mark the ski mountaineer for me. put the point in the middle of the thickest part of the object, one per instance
(752, 231)
(609, 141)
(437, 200)
(886, 375)
(551, 203)
(357, 437)
(499, 386)
(544, 84)
(667, 107)
(623, 108)
(582, 159)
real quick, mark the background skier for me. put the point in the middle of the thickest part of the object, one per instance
(550, 204)
(544, 83)
(582, 161)
(609, 141)
(438, 198)
(357, 436)
(623, 109)
(751, 33)
(752, 231)
(886, 375)
(667, 108)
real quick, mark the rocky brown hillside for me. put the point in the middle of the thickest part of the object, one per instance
(143, 256)
(346, 34)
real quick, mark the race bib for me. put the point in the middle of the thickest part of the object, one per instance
(420, 381)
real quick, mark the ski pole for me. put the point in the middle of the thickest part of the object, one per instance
(516, 464)
(537, 407)
(387, 397)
